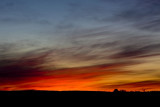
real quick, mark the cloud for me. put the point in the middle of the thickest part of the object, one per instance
(20, 12)
(7, 4)
(96, 43)
(141, 85)
(25, 20)
(20, 65)
(117, 43)
(143, 15)
(133, 51)
(33, 65)
(150, 25)
(61, 79)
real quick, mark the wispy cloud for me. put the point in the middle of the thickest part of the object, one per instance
(85, 45)
(139, 86)
(78, 78)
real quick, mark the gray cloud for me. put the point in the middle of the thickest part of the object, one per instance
(143, 16)
(25, 20)
(6, 4)
(138, 49)
(20, 12)
(141, 85)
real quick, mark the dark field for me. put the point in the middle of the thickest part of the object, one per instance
(82, 98)
(78, 93)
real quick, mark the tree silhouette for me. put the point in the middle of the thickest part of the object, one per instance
(115, 90)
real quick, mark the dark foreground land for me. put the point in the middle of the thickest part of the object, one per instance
(79, 98)
(78, 93)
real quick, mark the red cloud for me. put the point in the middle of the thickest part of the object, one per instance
(62, 79)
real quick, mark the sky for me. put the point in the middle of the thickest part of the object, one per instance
(84, 45)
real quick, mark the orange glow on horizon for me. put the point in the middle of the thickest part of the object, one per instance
(78, 79)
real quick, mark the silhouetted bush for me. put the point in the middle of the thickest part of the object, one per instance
(115, 90)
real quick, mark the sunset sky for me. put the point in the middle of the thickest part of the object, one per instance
(84, 45)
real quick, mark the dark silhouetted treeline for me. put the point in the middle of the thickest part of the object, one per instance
(78, 93)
